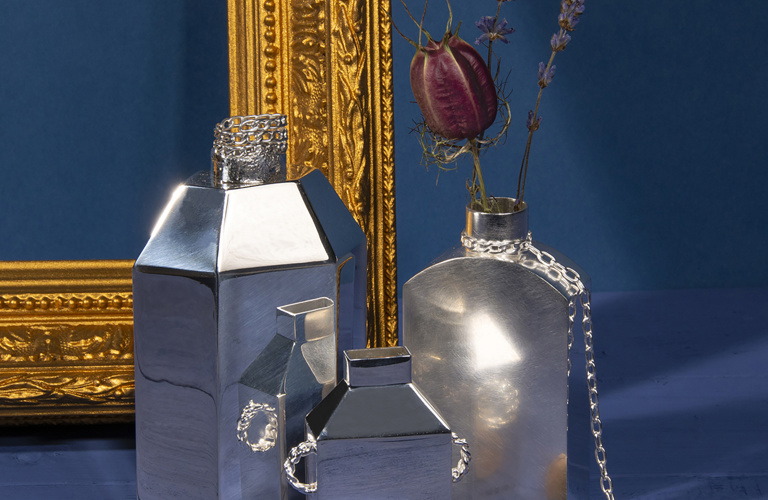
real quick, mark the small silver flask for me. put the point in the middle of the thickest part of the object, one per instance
(287, 380)
(376, 437)
(231, 246)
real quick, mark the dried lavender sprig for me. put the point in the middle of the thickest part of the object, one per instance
(560, 40)
(532, 123)
(546, 73)
(570, 10)
(569, 13)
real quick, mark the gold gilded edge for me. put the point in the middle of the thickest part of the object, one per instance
(66, 341)
(383, 146)
(327, 65)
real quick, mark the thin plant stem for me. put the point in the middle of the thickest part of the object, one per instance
(476, 158)
(526, 155)
(420, 25)
(490, 42)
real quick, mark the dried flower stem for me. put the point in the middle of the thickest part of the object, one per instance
(490, 41)
(526, 155)
(478, 172)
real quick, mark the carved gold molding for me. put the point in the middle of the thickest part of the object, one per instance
(327, 64)
(66, 341)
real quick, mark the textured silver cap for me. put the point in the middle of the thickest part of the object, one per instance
(249, 150)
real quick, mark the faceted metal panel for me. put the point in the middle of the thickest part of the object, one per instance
(177, 400)
(246, 326)
(387, 468)
(489, 345)
(349, 244)
(268, 227)
(359, 412)
(186, 235)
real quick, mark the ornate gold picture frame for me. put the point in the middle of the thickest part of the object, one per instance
(66, 327)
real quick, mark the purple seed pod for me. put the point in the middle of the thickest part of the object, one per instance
(453, 88)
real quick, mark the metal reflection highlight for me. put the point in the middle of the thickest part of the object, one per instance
(491, 347)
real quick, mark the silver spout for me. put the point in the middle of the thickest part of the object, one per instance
(306, 321)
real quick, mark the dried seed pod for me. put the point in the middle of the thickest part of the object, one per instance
(453, 88)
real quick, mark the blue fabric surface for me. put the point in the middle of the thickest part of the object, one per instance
(684, 401)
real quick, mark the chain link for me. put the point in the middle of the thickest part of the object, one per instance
(298, 452)
(576, 291)
(463, 466)
(495, 246)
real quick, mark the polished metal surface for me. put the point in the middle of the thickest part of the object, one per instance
(383, 366)
(205, 294)
(488, 331)
(505, 225)
(375, 439)
(288, 379)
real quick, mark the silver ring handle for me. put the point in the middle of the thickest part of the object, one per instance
(298, 452)
(462, 467)
(268, 438)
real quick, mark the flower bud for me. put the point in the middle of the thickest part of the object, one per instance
(453, 88)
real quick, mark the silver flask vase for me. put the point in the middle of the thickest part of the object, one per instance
(489, 325)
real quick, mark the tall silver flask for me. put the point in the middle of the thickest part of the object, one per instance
(489, 327)
(287, 380)
(376, 437)
(230, 247)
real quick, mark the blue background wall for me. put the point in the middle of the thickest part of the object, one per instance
(105, 106)
(648, 170)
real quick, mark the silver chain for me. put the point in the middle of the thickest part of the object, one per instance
(309, 446)
(495, 246)
(576, 291)
(463, 466)
(298, 452)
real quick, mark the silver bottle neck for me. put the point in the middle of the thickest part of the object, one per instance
(249, 150)
(503, 226)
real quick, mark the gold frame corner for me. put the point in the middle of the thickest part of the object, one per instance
(66, 327)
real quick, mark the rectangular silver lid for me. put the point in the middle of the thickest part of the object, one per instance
(379, 366)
